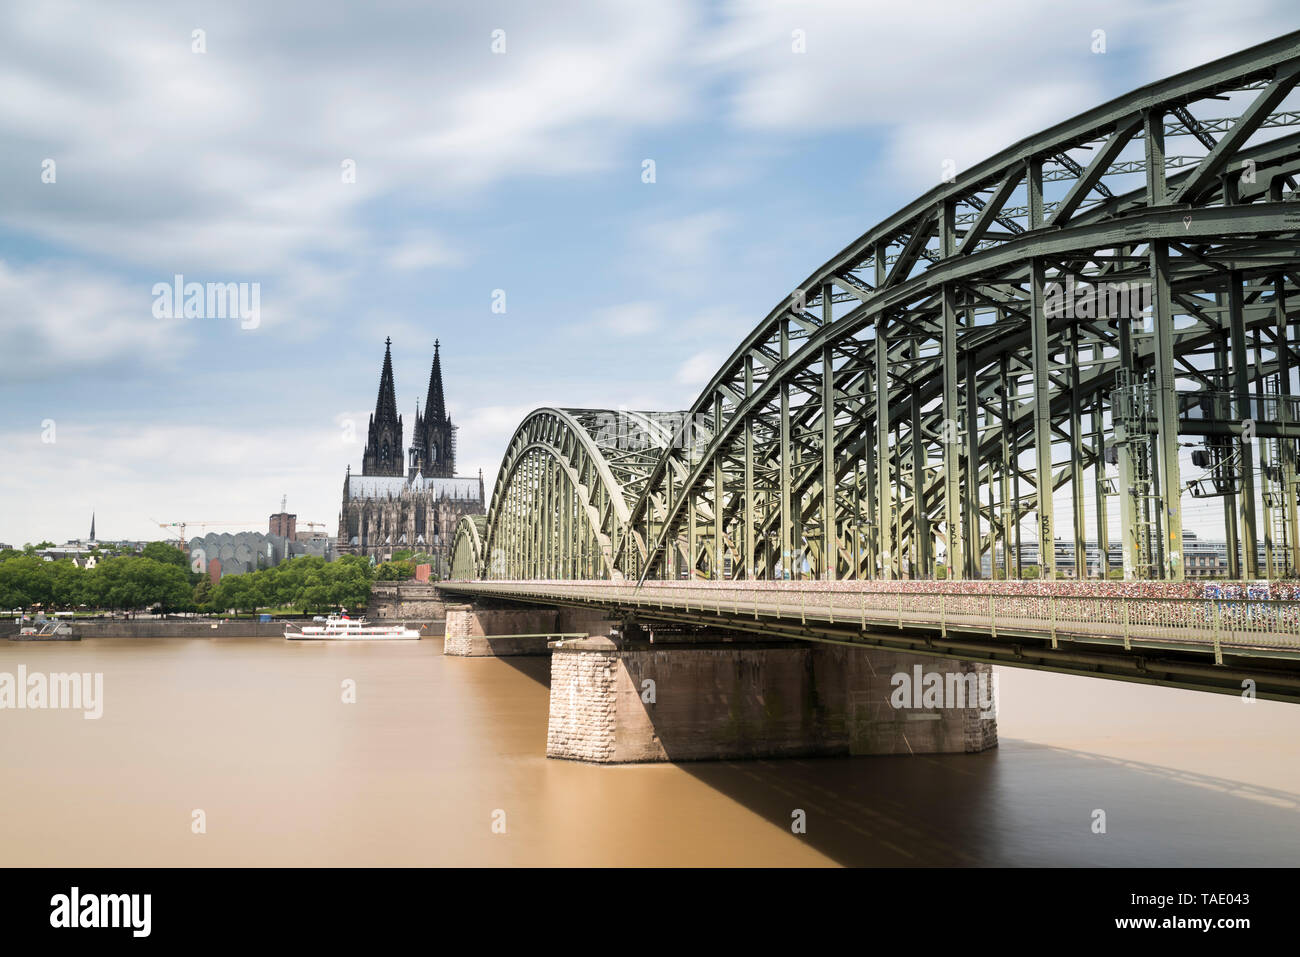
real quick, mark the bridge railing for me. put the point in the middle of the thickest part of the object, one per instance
(1198, 622)
(1227, 406)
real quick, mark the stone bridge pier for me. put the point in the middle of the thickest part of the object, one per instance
(714, 695)
(624, 693)
(487, 628)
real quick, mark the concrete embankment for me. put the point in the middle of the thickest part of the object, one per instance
(204, 628)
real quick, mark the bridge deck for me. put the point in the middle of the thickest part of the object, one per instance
(1201, 642)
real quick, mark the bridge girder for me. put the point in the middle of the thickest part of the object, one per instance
(560, 501)
(920, 388)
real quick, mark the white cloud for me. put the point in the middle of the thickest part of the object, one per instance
(963, 81)
(495, 420)
(482, 436)
(60, 317)
(427, 251)
(174, 472)
(626, 320)
(698, 369)
(231, 158)
(682, 253)
(688, 239)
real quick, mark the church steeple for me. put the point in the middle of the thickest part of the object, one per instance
(433, 448)
(383, 455)
(92, 526)
(434, 410)
(386, 404)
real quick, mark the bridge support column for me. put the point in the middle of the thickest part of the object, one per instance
(620, 700)
(485, 631)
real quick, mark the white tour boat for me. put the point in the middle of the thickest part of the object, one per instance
(338, 628)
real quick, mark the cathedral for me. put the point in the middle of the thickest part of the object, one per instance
(412, 504)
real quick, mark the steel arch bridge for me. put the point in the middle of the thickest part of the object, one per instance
(1034, 342)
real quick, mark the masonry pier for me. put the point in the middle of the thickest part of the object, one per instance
(624, 699)
(625, 693)
(500, 629)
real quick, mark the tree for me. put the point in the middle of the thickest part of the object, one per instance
(130, 583)
(25, 581)
(355, 561)
(110, 585)
(65, 579)
(234, 592)
(165, 587)
(394, 571)
(315, 598)
(349, 584)
(202, 594)
(169, 554)
(307, 582)
(165, 553)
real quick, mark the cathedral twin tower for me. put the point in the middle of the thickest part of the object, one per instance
(433, 444)
(412, 505)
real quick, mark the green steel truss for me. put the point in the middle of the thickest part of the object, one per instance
(1017, 355)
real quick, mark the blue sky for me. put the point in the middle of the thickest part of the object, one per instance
(475, 171)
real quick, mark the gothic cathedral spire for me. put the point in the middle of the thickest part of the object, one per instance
(383, 455)
(433, 448)
(433, 404)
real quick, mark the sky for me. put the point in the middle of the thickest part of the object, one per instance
(395, 169)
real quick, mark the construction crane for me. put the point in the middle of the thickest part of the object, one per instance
(182, 525)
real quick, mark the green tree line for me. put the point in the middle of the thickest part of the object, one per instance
(159, 580)
(309, 583)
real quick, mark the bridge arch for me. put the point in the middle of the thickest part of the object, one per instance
(940, 318)
(467, 547)
(956, 384)
(560, 501)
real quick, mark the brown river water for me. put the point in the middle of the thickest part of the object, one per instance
(434, 751)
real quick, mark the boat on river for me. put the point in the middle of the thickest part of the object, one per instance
(47, 630)
(342, 628)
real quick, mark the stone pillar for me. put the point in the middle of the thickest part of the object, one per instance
(478, 630)
(901, 703)
(616, 700)
(492, 629)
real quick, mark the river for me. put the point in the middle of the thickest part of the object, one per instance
(440, 761)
